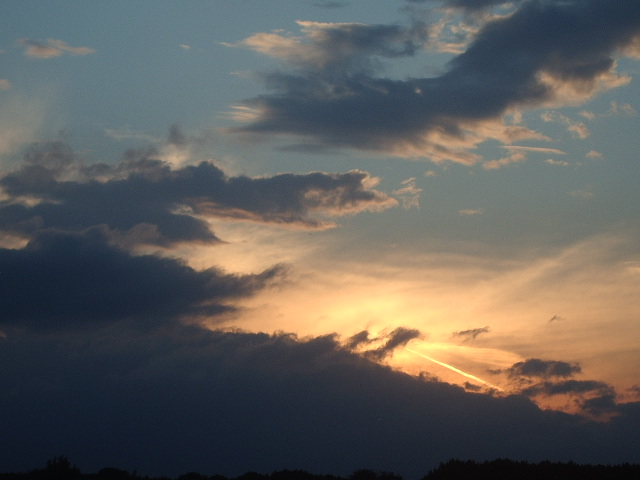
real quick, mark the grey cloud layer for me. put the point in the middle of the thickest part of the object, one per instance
(522, 60)
(82, 221)
(158, 204)
(64, 280)
(229, 403)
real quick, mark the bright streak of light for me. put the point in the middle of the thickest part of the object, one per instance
(457, 370)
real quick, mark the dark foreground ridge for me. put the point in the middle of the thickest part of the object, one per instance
(60, 468)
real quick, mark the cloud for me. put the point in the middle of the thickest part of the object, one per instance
(471, 334)
(147, 201)
(590, 397)
(578, 129)
(387, 343)
(334, 48)
(409, 193)
(548, 382)
(584, 193)
(543, 54)
(475, 4)
(358, 339)
(565, 387)
(51, 48)
(537, 368)
(624, 109)
(471, 211)
(560, 163)
(5, 84)
(330, 4)
(263, 403)
(516, 156)
(61, 280)
(397, 338)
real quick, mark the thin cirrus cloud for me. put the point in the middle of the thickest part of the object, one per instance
(471, 334)
(51, 48)
(543, 54)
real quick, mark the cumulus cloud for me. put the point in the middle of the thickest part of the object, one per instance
(544, 53)
(151, 202)
(51, 48)
(62, 280)
(77, 232)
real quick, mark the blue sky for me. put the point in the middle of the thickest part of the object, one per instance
(437, 195)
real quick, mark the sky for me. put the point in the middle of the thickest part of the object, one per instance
(324, 235)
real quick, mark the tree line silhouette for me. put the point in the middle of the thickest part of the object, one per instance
(60, 468)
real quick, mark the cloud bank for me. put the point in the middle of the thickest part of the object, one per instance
(228, 403)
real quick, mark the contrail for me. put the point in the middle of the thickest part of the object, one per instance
(457, 370)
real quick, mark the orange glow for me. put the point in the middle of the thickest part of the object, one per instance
(457, 370)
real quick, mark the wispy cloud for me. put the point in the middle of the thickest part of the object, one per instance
(51, 48)
(471, 211)
(471, 334)
(579, 129)
(409, 193)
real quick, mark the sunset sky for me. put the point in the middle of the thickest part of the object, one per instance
(328, 235)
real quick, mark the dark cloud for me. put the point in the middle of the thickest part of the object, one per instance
(545, 50)
(537, 368)
(566, 387)
(176, 136)
(153, 203)
(330, 4)
(550, 379)
(358, 339)
(590, 397)
(471, 333)
(62, 280)
(472, 387)
(228, 403)
(476, 4)
(397, 338)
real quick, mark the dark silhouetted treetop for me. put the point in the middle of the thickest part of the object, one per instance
(503, 469)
